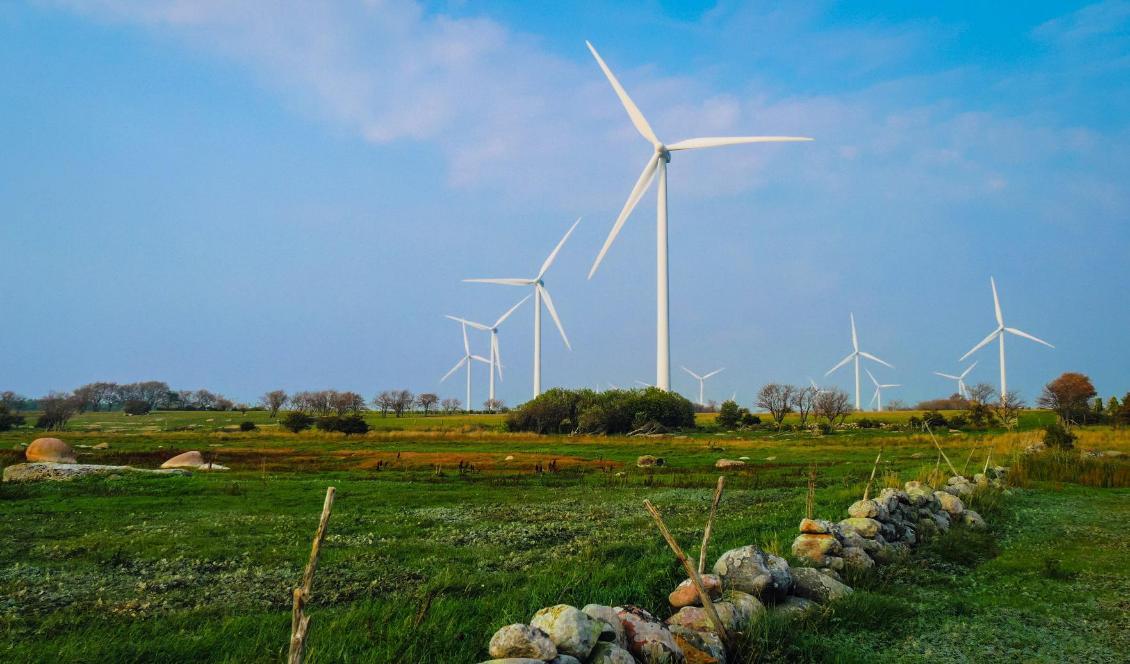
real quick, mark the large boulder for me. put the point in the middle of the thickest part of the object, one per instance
(856, 559)
(816, 548)
(611, 630)
(869, 509)
(748, 569)
(815, 526)
(782, 578)
(192, 459)
(573, 631)
(950, 503)
(685, 594)
(605, 652)
(747, 608)
(522, 641)
(812, 584)
(49, 450)
(648, 639)
(63, 472)
(724, 464)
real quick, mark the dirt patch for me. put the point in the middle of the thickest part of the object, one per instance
(480, 460)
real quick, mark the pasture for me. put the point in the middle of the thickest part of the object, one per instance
(423, 562)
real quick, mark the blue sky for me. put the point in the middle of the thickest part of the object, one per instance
(218, 195)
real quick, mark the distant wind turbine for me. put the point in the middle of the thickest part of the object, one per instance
(962, 390)
(702, 382)
(855, 354)
(466, 359)
(540, 295)
(878, 398)
(495, 355)
(642, 383)
(999, 333)
(657, 162)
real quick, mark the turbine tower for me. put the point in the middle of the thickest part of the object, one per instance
(466, 359)
(702, 382)
(540, 295)
(657, 162)
(855, 354)
(999, 333)
(962, 390)
(878, 398)
(495, 355)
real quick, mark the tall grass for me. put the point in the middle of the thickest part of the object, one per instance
(1070, 466)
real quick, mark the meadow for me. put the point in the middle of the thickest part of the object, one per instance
(424, 561)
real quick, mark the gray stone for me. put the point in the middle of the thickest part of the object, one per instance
(950, 503)
(782, 579)
(868, 528)
(723, 464)
(746, 569)
(573, 631)
(63, 472)
(610, 653)
(794, 606)
(973, 520)
(699, 646)
(612, 629)
(648, 639)
(520, 640)
(811, 584)
(747, 608)
(514, 660)
(564, 659)
(856, 559)
(816, 548)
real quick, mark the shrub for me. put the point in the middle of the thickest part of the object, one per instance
(825, 428)
(611, 412)
(749, 419)
(347, 424)
(247, 426)
(729, 415)
(136, 407)
(864, 423)
(296, 421)
(1055, 435)
(934, 418)
(957, 422)
(8, 420)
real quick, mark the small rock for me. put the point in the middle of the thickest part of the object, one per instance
(649, 461)
(815, 526)
(520, 640)
(509, 457)
(699, 647)
(49, 450)
(747, 608)
(610, 653)
(744, 458)
(648, 639)
(868, 528)
(685, 593)
(514, 660)
(856, 559)
(612, 629)
(794, 606)
(864, 509)
(564, 659)
(724, 464)
(101, 446)
(571, 630)
(811, 584)
(973, 520)
(746, 569)
(950, 503)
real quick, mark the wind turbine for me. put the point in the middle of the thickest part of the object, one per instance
(878, 398)
(962, 390)
(495, 355)
(644, 384)
(702, 382)
(855, 354)
(540, 295)
(999, 333)
(657, 162)
(466, 359)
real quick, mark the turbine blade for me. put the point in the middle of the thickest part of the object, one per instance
(871, 376)
(719, 141)
(696, 376)
(553, 313)
(477, 326)
(890, 385)
(841, 363)
(713, 373)
(553, 255)
(854, 336)
(512, 310)
(986, 340)
(480, 358)
(996, 302)
(1020, 333)
(496, 354)
(875, 359)
(966, 372)
(943, 375)
(466, 344)
(633, 112)
(454, 368)
(504, 282)
(641, 186)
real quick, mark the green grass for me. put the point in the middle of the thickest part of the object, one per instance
(420, 567)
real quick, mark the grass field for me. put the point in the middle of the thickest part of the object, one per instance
(423, 565)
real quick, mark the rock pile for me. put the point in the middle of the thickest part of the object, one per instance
(746, 583)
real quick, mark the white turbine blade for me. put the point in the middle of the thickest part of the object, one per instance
(512, 310)
(875, 359)
(553, 255)
(986, 340)
(1020, 333)
(943, 375)
(890, 385)
(480, 358)
(874, 396)
(496, 354)
(814, 385)
(643, 383)
(841, 363)
(633, 112)
(477, 326)
(696, 376)
(854, 336)
(719, 141)
(633, 198)
(553, 313)
(466, 344)
(714, 373)
(871, 376)
(454, 368)
(504, 282)
(966, 372)
(996, 302)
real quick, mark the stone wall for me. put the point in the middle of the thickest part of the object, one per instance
(745, 584)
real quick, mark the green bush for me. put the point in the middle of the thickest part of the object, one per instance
(864, 423)
(296, 421)
(247, 426)
(136, 407)
(729, 415)
(8, 420)
(611, 412)
(1055, 435)
(347, 424)
(957, 422)
(934, 419)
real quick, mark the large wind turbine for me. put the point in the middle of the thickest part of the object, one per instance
(855, 354)
(466, 359)
(999, 333)
(962, 390)
(495, 355)
(540, 295)
(878, 398)
(702, 382)
(657, 162)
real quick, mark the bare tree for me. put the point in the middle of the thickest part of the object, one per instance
(451, 405)
(274, 401)
(347, 402)
(11, 401)
(402, 400)
(833, 405)
(981, 393)
(493, 405)
(93, 396)
(777, 399)
(385, 401)
(427, 401)
(804, 400)
(222, 403)
(1008, 409)
(57, 409)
